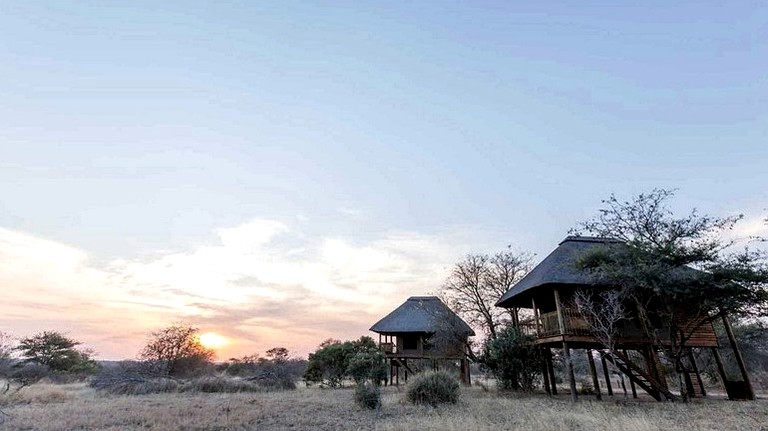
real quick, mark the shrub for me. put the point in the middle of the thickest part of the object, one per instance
(369, 364)
(368, 395)
(276, 371)
(433, 388)
(330, 364)
(219, 385)
(513, 359)
(134, 385)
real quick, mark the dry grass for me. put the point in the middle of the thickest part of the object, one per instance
(77, 407)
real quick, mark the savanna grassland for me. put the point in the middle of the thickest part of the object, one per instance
(77, 407)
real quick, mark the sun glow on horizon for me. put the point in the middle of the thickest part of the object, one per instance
(212, 340)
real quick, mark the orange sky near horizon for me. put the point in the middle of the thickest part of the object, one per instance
(245, 284)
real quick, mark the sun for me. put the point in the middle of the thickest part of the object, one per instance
(212, 340)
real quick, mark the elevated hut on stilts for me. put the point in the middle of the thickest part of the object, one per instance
(420, 334)
(548, 292)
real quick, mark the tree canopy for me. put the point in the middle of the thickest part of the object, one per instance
(176, 350)
(478, 281)
(56, 351)
(678, 272)
(683, 264)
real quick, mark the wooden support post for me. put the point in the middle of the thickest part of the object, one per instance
(515, 317)
(571, 375)
(652, 365)
(739, 358)
(466, 367)
(545, 373)
(566, 349)
(696, 370)
(606, 375)
(631, 382)
(551, 370)
(535, 317)
(720, 367)
(593, 371)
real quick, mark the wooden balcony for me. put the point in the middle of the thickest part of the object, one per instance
(548, 325)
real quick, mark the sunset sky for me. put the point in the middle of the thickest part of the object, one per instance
(283, 172)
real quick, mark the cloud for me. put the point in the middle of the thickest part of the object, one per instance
(258, 283)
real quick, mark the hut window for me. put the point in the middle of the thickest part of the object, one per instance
(410, 342)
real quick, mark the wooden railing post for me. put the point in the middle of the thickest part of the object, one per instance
(560, 317)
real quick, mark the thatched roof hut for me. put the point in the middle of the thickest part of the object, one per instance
(421, 314)
(558, 269)
(423, 329)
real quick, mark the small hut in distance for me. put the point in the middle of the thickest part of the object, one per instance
(423, 329)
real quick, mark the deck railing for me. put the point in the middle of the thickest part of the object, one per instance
(575, 322)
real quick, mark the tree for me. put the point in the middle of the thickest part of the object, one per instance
(176, 351)
(57, 352)
(477, 282)
(679, 273)
(514, 359)
(277, 354)
(335, 361)
(604, 310)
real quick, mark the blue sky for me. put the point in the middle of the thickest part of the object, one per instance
(140, 133)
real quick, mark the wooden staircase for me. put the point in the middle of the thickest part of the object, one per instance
(639, 376)
(399, 363)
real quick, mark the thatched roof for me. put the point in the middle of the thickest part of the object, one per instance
(556, 269)
(421, 314)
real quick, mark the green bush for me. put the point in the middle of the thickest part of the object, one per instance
(513, 359)
(368, 395)
(369, 364)
(433, 388)
(330, 364)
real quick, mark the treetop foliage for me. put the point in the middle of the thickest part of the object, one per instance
(57, 352)
(477, 282)
(176, 350)
(335, 361)
(680, 263)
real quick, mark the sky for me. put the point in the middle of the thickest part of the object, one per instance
(280, 173)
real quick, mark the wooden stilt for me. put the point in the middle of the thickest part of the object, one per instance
(464, 372)
(545, 373)
(623, 385)
(593, 371)
(696, 370)
(652, 364)
(551, 369)
(720, 367)
(606, 375)
(571, 375)
(631, 383)
(566, 349)
(739, 358)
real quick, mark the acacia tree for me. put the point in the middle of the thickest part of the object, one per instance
(57, 352)
(477, 282)
(678, 272)
(176, 350)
